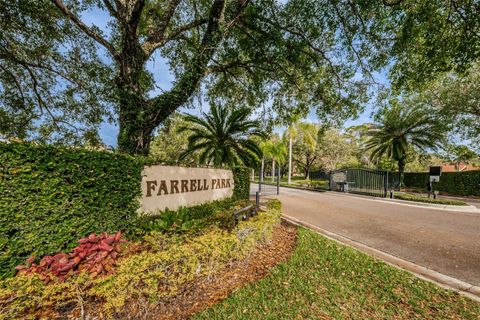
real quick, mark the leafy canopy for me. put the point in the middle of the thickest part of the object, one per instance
(298, 54)
(400, 127)
(54, 87)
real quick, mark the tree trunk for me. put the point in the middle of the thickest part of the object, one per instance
(290, 160)
(134, 135)
(401, 172)
(273, 170)
(140, 116)
(261, 170)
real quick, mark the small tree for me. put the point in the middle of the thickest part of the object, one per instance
(334, 150)
(399, 127)
(168, 144)
(459, 154)
(305, 146)
(276, 150)
(222, 137)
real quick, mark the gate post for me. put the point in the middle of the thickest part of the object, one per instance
(329, 180)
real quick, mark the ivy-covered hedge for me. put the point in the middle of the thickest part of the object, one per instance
(241, 178)
(465, 183)
(52, 196)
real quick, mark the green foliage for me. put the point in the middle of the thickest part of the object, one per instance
(185, 219)
(411, 197)
(270, 54)
(432, 37)
(140, 275)
(465, 183)
(53, 196)
(335, 151)
(274, 205)
(241, 180)
(223, 137)
(153, 274)
(54, 86)
(455, 99)
(274, 149)
(305, 151)
(169, 143)
(401, 127)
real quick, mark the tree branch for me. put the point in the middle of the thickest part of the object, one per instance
(113, 11)
(165, 104)
(87, 30)
(149, 46)
(156, 38)
(392, 3)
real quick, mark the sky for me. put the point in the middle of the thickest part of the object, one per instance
(164, 79)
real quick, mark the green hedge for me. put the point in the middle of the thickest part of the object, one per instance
(465, 183)
(52, 196)
(241, 180)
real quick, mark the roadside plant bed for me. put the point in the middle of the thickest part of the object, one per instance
(411, 197)
(205, 291)
(325, 280)
(145, 273)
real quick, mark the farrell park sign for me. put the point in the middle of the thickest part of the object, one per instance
(173, 187)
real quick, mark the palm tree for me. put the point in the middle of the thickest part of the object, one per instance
(399, 128)
(276, 150)
(222, 137)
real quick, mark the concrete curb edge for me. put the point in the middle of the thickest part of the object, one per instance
(444, 281)
(416, 204)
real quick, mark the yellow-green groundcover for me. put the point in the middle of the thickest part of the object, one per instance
(146, 276)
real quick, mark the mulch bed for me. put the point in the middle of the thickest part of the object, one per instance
(206, 291)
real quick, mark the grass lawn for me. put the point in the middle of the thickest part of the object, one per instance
(324, 280)
(411, 197)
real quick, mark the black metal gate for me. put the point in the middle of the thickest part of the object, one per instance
(356, 180)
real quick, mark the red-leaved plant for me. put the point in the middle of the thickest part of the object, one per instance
(95, 254)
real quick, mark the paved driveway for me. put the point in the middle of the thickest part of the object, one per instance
(445, 241)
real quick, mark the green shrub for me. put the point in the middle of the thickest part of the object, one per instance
(52, 196)
(146, 276)
(241, 179)
(465, 183)
(274, 205)
(185, 219)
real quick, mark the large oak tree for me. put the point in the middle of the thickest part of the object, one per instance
(295, 55)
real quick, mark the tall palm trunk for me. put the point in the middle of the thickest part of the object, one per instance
(273, 170)
(401, 171)
(290, 161)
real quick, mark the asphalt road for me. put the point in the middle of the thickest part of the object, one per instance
(445, 241)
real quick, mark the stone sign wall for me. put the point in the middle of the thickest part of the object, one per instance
(173, 187)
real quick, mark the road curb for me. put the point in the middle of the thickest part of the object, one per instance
(416, 204)
(446, 207)
(444, 281)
